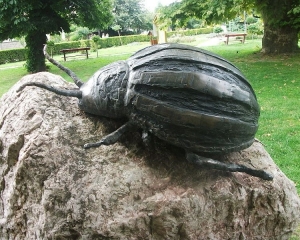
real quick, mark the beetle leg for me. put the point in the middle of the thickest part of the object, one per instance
(112, 137)
(231, 167)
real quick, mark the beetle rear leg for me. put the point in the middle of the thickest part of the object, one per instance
(231, 167)
(112, 137)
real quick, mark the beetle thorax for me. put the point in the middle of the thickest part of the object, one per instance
(104, 92)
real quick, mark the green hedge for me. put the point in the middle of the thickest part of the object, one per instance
(190, 32)
(15, 55)
(12, 55)
(104, 42)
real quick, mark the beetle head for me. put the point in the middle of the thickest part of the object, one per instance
(103, 94)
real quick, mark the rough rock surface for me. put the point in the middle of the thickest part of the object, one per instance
(51, 188)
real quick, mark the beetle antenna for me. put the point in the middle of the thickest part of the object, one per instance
(63, 92)
(76, 79)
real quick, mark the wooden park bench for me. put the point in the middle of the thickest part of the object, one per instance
(72, 50)
(228, 35)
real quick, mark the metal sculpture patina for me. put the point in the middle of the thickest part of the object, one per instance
(184, 95)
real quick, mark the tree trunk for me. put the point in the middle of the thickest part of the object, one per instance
(280, 36)
(35, 41)
(279, 39)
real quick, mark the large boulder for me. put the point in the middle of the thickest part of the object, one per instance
(52, 188)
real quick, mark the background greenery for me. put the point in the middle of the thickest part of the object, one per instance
(16, 55)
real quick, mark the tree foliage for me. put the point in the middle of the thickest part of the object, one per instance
(281, 18)
(81, 33)
(281, 25)
(178, 14)
(294, 14)
(172, 16)
(36, 18)
(215, 11)
(130, 15)
(278, 12)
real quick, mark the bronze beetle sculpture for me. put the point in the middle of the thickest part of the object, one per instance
(184, 95)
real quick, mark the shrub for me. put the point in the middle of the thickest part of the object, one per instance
(218, 30)
(50, 46)
(81, 33)
(190, 32)
(101, 42)
(13, 55)
(254, 29)
(251, 20)
(16, 55)
(95, 44)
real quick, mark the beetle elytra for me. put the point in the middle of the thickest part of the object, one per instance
(183, 95)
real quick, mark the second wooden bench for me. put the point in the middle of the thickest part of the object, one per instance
(71, 50)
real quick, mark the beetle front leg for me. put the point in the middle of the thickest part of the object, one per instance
(112, 137)
(231, 167)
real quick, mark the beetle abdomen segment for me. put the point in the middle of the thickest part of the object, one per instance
(194, 130)
(201, 93)
(192, 99)
(177, 57)
(197, 120)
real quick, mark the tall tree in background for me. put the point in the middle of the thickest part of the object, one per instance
(171, 16)
(130, 15)
(281, 25)
(36, 18)
(281, 18)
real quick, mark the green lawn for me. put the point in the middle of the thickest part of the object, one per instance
(12, 72)
(274, 79)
